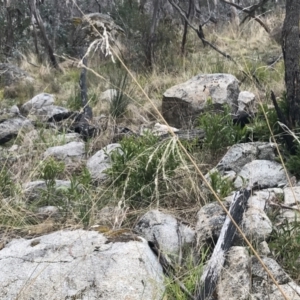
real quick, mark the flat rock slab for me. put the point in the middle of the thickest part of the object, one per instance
(182, 103)
(69, 152)
(262, 173)
(79, 265)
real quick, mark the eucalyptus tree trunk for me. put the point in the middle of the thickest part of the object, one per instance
(291, 55)
(37, 16)
(185, 27)
(9, 31)
(152, 35)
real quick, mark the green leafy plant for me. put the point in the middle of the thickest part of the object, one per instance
(143, 167)
(49, 170)
(79, 196)
(221, 185)
(285, 246)
(219, 129)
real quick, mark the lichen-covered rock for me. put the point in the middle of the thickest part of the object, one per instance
(235, 279)
(291, 198)
(210, 220)
(170, 233)
(246, 101)
(11, 127)
(100, 161)
(240, 154)
(182, 103)
(41, 107)
(262, 173)
(264, 289)
(79, 265)
(73, 151)
(10, 74)
(33, 190)
(256, 225)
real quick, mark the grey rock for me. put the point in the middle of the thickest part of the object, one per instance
(100, 161)
(11, 127)
(161, 129)
(79, 265)
(182, 103)
(68, 137)
(263, 249)
(73, 151)
(170, 233)
(14, 110)
(10, 74)
(263, 173)
(259, 272)
(38, 102)
(46, 212)
(235, 279)
(256, 225)
(108, 95)
(33, 190)
(246, 102)
(210, 220)
(240, 154)
(41, 107)
(264, 289)
(291, 196)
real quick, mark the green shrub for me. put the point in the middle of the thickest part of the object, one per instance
(49, 170)
(285, 246)
(79, 196)
(143, 167)
(293, 162)
(219, 129)
(222, 186)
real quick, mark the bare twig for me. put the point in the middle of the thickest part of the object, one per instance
(200, 32)
(251, 12)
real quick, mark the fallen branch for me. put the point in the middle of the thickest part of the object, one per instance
(214, 267)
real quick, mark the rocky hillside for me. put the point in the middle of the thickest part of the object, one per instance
(121, 179)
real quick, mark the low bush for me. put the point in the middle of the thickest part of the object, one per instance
(143, 168)
(220, 131)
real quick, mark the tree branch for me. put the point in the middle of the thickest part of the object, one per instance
(251, 12)
(200, 32)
